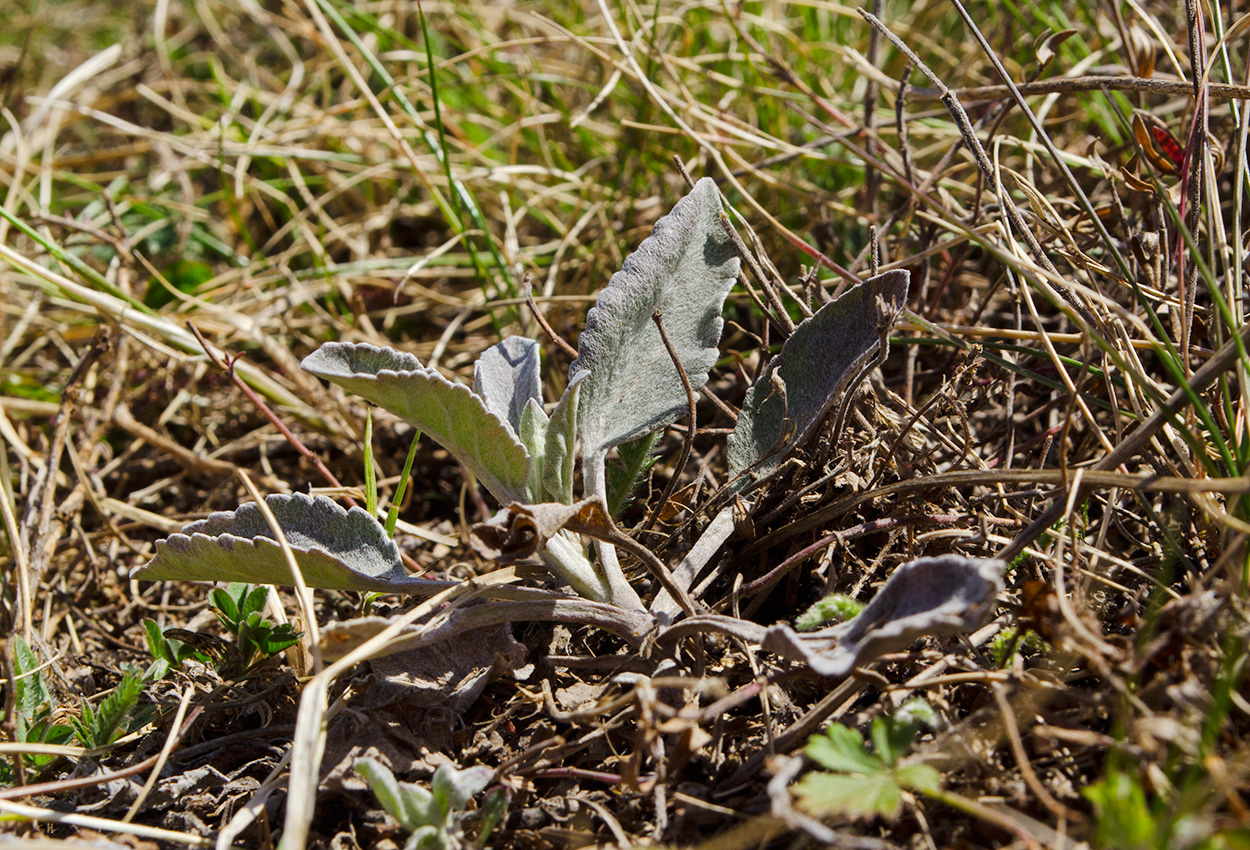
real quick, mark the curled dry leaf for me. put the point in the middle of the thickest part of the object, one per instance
(519, 531)
(945, 595)
(335, 548)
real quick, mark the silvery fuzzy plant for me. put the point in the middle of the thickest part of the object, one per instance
(624, 384)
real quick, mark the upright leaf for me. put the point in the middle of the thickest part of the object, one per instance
(684, 269)
(532, 432)
(506, 378)
(561, 437)
(819, 365)
(449, 413)
(32, 692)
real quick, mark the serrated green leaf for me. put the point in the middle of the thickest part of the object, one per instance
(842, 749)
(684, 269)
(111, 718)
(821, 362)
(335, 548)
(450, 414)
(834, 794)
(918, 777)
(891, 738)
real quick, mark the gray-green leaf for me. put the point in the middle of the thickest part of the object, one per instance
(684, 269)
(335, 548)
(506, 378)
(946, 595)
(451, 414)
(561, 434)
(819, 364)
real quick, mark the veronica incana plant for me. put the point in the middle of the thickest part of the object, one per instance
(623, 384)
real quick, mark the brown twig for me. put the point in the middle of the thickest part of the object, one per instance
(527, 289)
(680, 466)
(227, 365)
(885, 524)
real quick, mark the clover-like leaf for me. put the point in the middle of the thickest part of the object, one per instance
(820, 364)
(506, 378)
(335, 548)
(684, 270)
(946, 595)
(451, 414)
(831, 794)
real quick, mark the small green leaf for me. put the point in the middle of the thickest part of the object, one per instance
(636, 457)
(227, 608)
(918, 777)
(109, 721)
(494, 808)
(158, 646)
(842, 749)
(891, 738)
(453, 788)
(833, 794)
(254, 601)
(1122, 816)
(32, 692)
(411, 805)
(834, 608)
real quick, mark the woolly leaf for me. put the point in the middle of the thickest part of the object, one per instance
(532, 432)
(946, 595)
(506, 378)
(684, 269)
(561, 433)
(451, 414)
(335, 548)
(821, 363)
